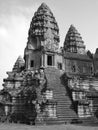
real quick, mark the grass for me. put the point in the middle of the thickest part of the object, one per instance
(5, 126)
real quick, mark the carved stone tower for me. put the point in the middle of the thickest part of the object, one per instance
(51, 85)
(73, 41)
(43, 39)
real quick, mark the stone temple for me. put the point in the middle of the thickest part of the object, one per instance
(51, 85)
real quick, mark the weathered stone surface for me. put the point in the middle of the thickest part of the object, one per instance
(51, 85)
(73, 41)
(43, 29)
(19, 64)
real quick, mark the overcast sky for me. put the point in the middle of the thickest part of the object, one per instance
(16, 15)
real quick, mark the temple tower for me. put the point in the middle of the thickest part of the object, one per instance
(51, 85)
(73, 41)
(76, 58)
(43, 40)
(19, 64)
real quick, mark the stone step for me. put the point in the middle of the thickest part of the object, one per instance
(64, 103)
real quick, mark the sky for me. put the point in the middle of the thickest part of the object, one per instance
(16, 15)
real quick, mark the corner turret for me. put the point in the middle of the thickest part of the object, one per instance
(19, 64)
(73, 41)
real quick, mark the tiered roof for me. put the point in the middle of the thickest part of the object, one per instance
(73, 41)
(42, 20)
(18, 64)
(44, 25)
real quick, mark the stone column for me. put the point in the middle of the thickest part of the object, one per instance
(6, 110)
(45, 59)
(42, 60)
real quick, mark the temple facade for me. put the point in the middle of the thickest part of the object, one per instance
(51, 84)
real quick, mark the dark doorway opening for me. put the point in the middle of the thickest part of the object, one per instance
(49, 60)
(32, 63)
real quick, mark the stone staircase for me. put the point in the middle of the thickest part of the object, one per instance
(65, 112)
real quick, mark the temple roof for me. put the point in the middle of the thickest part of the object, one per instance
(18, 64)
(44, 7)
(73, 39)
(43, 23)
(70, 55)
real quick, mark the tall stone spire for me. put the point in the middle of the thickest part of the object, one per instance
(73, 41)
(43, 29)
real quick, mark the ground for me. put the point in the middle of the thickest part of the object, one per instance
(4, 126)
